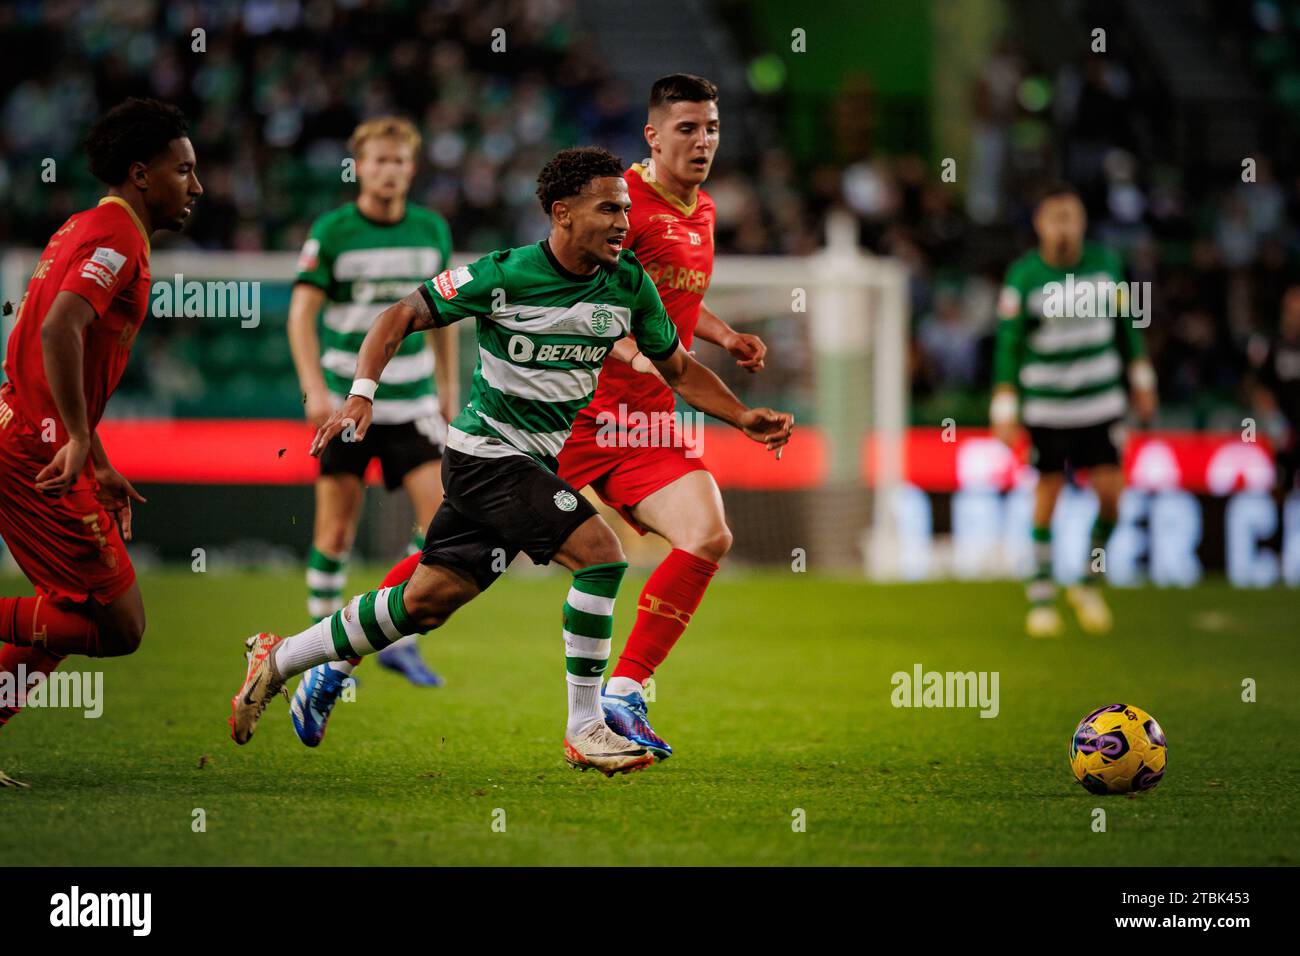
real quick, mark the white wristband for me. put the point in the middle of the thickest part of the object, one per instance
(1002, 411)
(364, 387)
(1143, 376)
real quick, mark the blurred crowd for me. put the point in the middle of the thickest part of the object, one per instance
(274, 87)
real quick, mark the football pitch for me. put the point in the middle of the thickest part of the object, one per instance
(777, 701)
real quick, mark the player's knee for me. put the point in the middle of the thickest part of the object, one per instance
(429, 607)
(122, 638)
(715, 543)
(606, 550)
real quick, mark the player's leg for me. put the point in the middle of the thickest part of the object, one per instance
(593, 554)
(1044, 620)
(423, 485)
(1086, 598)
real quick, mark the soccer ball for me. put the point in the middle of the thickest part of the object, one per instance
(1118, 748)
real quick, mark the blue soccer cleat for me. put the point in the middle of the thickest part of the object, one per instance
(627, 717)
(317, 693)
(404, 658)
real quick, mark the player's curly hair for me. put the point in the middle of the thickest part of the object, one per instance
(134, 131)
(568, 172)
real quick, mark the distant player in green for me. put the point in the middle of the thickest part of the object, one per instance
(358, 259)
(1067, 346)
(546, 317)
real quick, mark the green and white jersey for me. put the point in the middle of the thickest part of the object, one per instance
(543, 334)
(365, 266)
(1069, 368)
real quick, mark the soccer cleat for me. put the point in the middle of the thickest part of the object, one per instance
(1091, 609)
(598, 746)
(405, 659)
(8, 781)
(261, 683)
(1043, 621)
(627, 717)
(317, 693)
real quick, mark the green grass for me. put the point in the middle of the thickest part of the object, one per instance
(777, 698)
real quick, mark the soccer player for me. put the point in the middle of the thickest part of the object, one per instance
(64, 509)
(1063, 376)
(358, 259)
(1277, 392)
(546, 317)
(661, 485)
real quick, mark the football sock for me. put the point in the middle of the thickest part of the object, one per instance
(402, 571)
(35, 622)
(326, 578)
(416, 544)
(1101, 532)
(588, 624)
(668, 600)
(36, 661)
(1041, 588)
(369, 623)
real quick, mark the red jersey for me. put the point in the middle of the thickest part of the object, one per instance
(102, 255)
(674, 243)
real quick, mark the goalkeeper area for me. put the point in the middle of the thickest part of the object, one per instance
(780, 702)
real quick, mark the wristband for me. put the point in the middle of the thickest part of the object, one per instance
(1143, 376)
(364, 388)
(1002, 411)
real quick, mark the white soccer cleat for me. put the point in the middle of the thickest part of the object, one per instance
(8, 781)
(1043, 621)
(598, 746)
(261, 683)
(1091, 609)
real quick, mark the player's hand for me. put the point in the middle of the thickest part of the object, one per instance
(1144, 404)
(115, 493)
(318, 406)
(748, 351)
(770, 427)
(646, 367)
(1007, 432)
(353, 419)
(56, 478)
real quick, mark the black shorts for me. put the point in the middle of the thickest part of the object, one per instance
(1054, 449)
(400, 450)
(496, 507)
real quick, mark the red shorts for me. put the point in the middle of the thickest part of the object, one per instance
(623, 475)
(68, 547)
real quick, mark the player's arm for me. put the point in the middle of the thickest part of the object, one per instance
(413, 314)
(704, 391)
(304, 343)
(1004, 413)
(748, 350)
(446, 369)
(63, 347)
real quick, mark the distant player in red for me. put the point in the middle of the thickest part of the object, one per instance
(64, 510)
(660, 486)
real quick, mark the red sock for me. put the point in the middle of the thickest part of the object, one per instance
(402, 571)
(34, 621)
(36, 660)
(670, 597)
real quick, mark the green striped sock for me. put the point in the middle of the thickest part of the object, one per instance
(416, 544)
(1101, 532)
(588, 624)
(369, 623)
(1041, 588)
(326, 578)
